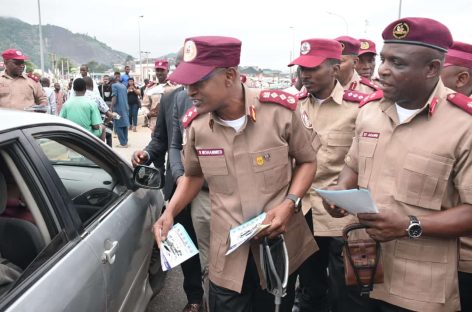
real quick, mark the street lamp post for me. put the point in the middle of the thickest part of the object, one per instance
(292, 51)
(139, 43)
(343, 18)
(147, 62)
(41, 50)
(400, 9)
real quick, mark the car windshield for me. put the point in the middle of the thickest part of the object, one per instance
(59, 154)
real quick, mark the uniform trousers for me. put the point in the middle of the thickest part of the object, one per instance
(252, 296)
(465, 289)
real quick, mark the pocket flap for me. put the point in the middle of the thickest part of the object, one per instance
(340, 138)
(269, 158)
(367, 147)
(424, 249)
(213, 165)
(435, 166)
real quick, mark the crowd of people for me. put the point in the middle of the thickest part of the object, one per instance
(230, 153)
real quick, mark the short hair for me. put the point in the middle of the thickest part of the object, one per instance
(79, 85)
(116, 73)
(332, 61)
(88, 82)
(130, 78)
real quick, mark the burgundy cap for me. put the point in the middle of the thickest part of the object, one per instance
(459, 54)
(350, 45)
(313, 52)
(367, 46)
(164, 64)
(202, 55)
(13, 54)
(419, 31)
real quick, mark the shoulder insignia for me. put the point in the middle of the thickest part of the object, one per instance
(33, 77)
(353, 85)
(461, 100)
(303, 94)
(354, 96)
(369, 83)
(377, 95)
(285, 99)
(189, 116)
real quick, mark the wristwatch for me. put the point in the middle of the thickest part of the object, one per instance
(296, 200)
(414, 230)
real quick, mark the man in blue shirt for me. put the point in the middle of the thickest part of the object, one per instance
(119, 105)
(125, 77)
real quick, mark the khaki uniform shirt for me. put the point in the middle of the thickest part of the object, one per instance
(419, 167)
(21, 92)
(249, 172)
(361, 84)
(334, 121)
(152, 99)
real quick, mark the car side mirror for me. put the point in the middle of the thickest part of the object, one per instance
(147, 177)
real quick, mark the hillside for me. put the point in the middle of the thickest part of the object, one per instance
(79, 48)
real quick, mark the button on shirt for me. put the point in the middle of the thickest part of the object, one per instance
(249, 172)
(20, 92)
(419, 167)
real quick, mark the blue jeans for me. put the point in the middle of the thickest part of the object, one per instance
(133, 114)
(122, 133)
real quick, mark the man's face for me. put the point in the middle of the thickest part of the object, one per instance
(57, 87)
(318, 79)
(402, 71)
(14, 68)
(83, 71)
(346, 67)
(127, 70)
(366, 65)
(161, 74)
(209, 93)
(106, 80)
(117, 78)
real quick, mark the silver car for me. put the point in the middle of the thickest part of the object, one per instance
(75, 221)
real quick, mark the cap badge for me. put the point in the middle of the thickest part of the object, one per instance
(160, 64)
(401, 30)
(364, 45)
(18, 52)
(190, 51)
(305, 48)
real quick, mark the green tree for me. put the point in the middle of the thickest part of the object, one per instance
(29, 66)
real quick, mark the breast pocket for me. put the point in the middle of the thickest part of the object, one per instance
(366, 160)
(215, 170)
(338, 144)
(423, 180)
(272, 168)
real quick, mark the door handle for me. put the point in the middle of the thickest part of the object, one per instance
(109, 255)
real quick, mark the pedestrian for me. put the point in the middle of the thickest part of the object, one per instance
(347, 76)
(84, 72)
(105, 112)
(412, 151)
(365, 66)
(105, 92)
(332, 111)
(46, 84)
(125, 76)
(248, 167)
(457, 75)
(60, 97)
(134, 104)
(82, 110)
(119, 105)
(17, 91)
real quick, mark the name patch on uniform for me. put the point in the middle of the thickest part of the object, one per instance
(373, 135)
(211, 152)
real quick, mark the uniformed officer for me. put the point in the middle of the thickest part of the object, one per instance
(412, 151)
(365, 67)
(332, 111)
(347, 75)
(17, 90)
(244, 143)
(155, 90)
(457, 75)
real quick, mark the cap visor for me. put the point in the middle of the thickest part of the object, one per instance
(367, 51)
(308, 61)
(189, 73)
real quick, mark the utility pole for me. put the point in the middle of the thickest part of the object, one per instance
(400, 9)
(41, 50)
(139, 43)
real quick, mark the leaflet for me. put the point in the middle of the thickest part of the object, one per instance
(354, 201)
(244, 232)
(177, 248)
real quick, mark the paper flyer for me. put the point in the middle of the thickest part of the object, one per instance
(354, 201)
(177, 248)
(244, 232)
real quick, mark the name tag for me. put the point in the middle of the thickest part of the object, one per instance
(211, 152)
(373, 135)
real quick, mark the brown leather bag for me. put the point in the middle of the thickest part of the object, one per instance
(362, 261)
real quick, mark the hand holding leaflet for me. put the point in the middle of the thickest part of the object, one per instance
(244, 232)
(353, 201)
(177, 248)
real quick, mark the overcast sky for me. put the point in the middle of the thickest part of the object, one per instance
(269, 30)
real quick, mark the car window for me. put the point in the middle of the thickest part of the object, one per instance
(90, 184)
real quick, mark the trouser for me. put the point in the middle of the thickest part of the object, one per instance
(252, 296)
(133, 115)
(191, 268)
(122, 133)
(465, 289)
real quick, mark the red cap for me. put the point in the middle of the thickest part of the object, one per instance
(367, 46)
(313, 52)
(350, 45)
(419, 31)
(163, 64)
(459, 54)
(13, 54)
(202, 55)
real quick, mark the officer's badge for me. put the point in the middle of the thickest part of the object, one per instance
(364, 45)
(190, 51)
(305, 48)
(306, 120)
(401, 30)
(260, 160)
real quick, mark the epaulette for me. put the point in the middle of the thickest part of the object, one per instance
(189, 116)
(377, 95)
(303, 94)
(461, 100)
(353, 96)
(150, 84)
(32, 77)
(369, 83)
(280, 97)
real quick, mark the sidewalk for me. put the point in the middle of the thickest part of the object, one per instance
(136, 141)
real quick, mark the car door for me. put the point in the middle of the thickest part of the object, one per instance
(119, 231)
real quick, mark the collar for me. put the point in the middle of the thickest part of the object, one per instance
(336, 94)
(4, 74)
(354, 82)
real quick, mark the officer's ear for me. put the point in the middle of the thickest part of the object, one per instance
(336, 68)
(434, 68)
(231, 75)
(463, 79)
